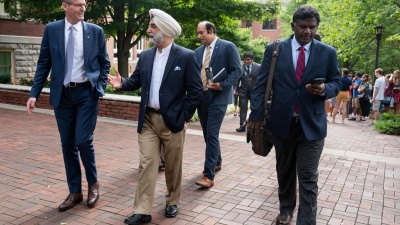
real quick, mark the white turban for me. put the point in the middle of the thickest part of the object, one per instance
(165, 23)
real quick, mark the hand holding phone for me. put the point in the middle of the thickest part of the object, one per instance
(318, 81)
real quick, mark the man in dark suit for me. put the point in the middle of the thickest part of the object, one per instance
(169, 76)
(245, 86)
(222, 57)
(75, 53)
(298, 118)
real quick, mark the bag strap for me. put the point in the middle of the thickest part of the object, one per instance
(275, 53)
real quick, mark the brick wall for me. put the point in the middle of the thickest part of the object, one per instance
(107, 108)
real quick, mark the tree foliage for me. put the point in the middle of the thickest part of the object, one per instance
(126, 20)
(348, 25)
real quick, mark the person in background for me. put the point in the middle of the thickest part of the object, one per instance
(169, 76)
(297, 118)
(388, 93)
(364, 96)
(75, 53)
(245, 85)
(396, 91)
(355, 102)
(378, 94)
(343, 96)
(236, 102)
(223, 58)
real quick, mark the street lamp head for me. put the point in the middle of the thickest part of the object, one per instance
(379, 29)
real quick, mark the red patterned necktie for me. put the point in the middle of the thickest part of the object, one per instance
(301, 65)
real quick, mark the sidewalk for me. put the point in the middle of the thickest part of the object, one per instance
(359, 180)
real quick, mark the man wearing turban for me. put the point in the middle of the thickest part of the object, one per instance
(169, 76)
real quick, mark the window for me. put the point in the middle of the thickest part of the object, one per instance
(269, 25)
(7, 5)
(5, 62)
(249, 24)
(140, 47)
(116, 51)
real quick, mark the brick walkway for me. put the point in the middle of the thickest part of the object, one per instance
(359, 176)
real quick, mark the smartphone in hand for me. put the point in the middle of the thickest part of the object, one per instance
(318, 81)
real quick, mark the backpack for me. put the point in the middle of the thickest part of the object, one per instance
(367, 92)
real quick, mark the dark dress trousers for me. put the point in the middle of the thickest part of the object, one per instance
(75, 108)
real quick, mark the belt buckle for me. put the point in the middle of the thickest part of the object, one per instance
(74, 84)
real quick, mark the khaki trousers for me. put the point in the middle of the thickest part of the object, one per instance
(154, 135)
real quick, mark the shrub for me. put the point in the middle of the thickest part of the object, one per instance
(388, 123)
(5, 78)
(29, 82)
(111, 90)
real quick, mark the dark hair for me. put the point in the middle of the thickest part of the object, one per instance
(210, 27)
(358, 74)
(248, 55)
(366, 76)
(306, 12)
(345, 71)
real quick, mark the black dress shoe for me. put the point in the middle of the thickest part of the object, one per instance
(171, 211)
(71, 201)
(283, 219)
(241, 129)
(137, 219)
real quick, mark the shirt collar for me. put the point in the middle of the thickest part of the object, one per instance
(212, 45)
(296, 45)
(78, 26)
(166, 49)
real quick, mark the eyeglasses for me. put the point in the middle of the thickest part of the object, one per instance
(152, 26)
(77, 5)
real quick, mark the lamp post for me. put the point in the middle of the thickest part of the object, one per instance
(379, 33)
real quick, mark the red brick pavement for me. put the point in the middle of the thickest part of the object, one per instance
(359, 176)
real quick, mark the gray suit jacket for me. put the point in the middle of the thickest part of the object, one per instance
(225, 55)
(322, 63)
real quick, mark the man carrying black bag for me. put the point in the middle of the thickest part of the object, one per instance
(306, 74)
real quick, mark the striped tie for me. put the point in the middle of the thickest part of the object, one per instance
(205, 65)
(301, 65)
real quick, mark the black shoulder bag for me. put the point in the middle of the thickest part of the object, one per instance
(261, 137)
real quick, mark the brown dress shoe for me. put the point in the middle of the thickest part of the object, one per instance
(93, 195)
(71, 201)
(283, 219)
(205, 182)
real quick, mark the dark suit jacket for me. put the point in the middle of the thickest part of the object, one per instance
(247, 81)
(323, 63)
(225, 55)
(181, 87)
(52, 57)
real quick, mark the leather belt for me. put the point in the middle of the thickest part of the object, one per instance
(149, 109)
(73, 84)
(296, 119)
